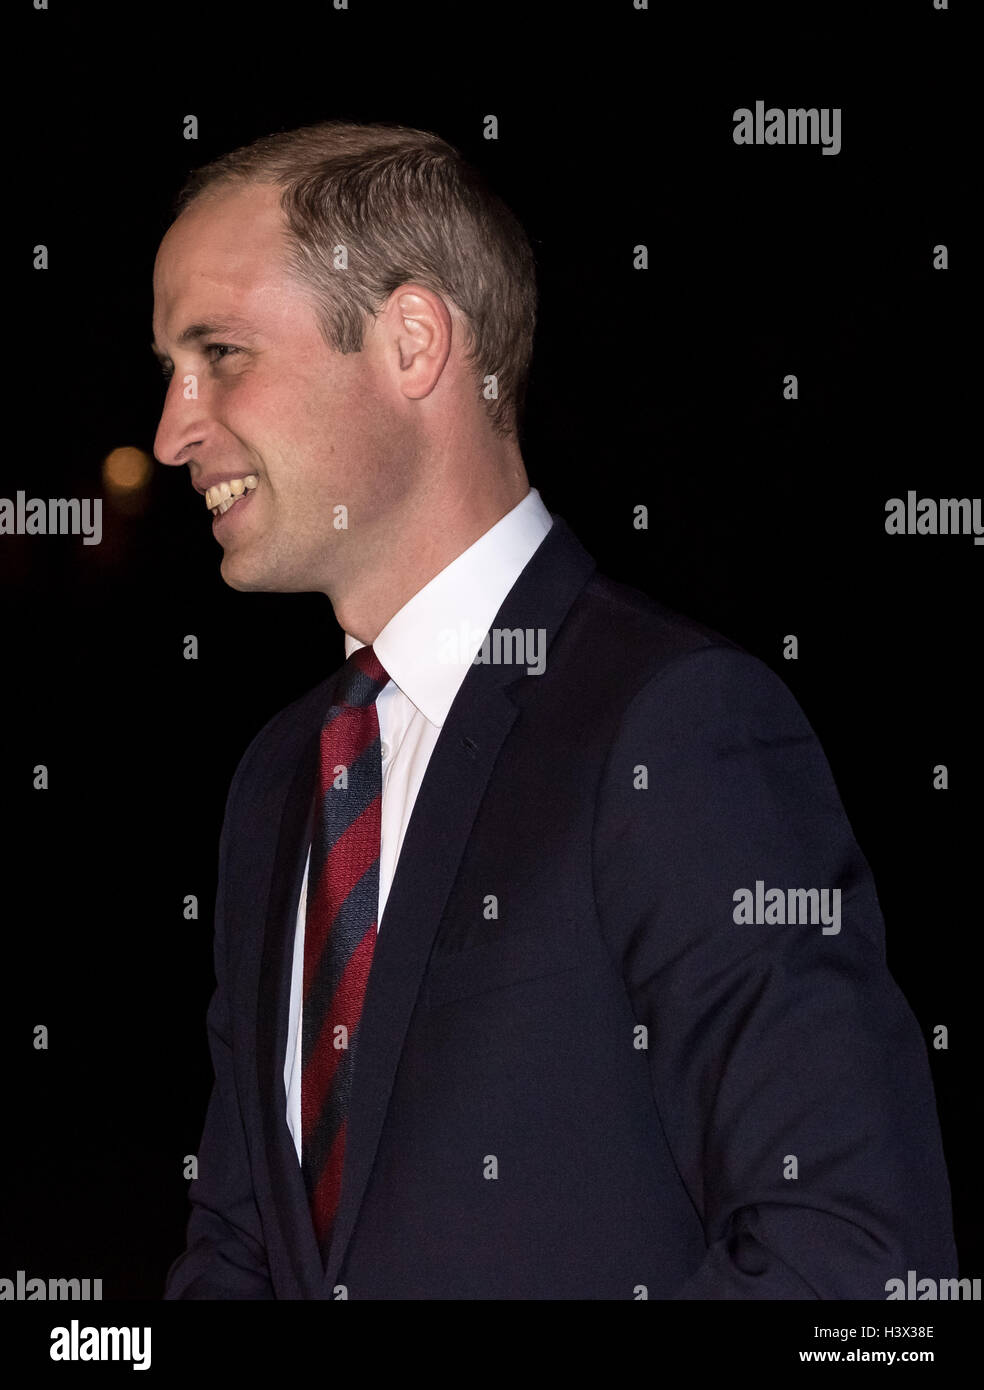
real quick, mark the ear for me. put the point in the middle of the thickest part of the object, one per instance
(413, 333)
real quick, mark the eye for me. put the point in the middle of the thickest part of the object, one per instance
(222, 349)
(214, 352)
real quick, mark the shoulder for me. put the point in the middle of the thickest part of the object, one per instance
(648, 658)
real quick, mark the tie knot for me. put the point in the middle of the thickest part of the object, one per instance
(362, 678)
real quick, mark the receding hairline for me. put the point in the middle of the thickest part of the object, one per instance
(229, 186)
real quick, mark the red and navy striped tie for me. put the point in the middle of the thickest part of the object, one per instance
(339, 926)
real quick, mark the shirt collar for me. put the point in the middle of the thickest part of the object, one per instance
(428, 646)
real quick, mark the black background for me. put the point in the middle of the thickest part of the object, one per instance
(661, 387)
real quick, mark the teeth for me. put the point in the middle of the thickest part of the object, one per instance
(220, 498)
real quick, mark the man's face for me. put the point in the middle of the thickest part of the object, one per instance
(316, 428)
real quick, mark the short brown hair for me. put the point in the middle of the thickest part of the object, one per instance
(407, 206)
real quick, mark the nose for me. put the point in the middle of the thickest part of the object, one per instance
(184, 424)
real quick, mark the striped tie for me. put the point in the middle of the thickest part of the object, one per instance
(339, 926)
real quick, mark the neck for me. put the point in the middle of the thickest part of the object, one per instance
(429, 540)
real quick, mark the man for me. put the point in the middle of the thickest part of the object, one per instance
(488, 1021)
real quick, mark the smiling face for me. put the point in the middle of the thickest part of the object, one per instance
(315, 428)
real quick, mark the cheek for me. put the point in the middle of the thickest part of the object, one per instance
(259, 409)
(342, 437)
(315, 433)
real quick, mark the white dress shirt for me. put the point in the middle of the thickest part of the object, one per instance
(426, 649)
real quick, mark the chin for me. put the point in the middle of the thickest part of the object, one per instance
(238, 576)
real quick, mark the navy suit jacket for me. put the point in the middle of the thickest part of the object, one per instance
(609, 1089)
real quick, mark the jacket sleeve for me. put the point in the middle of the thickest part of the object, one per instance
(225, 1256)
(788, 1071)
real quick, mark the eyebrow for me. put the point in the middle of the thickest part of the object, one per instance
(195, 332)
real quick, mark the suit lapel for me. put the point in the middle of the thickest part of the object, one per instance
(273, 1004)
(444, 811)
(442, 817)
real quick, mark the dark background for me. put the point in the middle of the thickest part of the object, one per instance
(661, 387)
